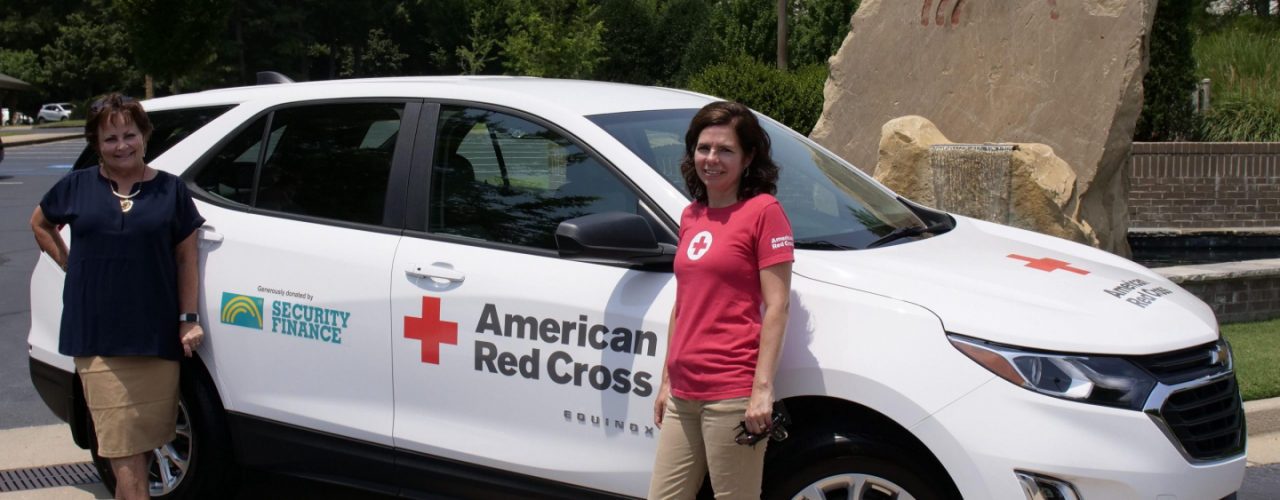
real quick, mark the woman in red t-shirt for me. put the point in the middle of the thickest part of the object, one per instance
(733, 281)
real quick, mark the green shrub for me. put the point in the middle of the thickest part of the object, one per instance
(1240, 120)
(1167, 114)
(1241, 56)
(791, 97)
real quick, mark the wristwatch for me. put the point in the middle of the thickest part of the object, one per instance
(188, 318)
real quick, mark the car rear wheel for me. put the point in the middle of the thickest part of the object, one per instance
(198, 462)
(825, 465)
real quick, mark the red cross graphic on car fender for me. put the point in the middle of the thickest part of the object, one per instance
(430, 330)
(1047, 264)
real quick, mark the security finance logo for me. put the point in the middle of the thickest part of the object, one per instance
(242, 310)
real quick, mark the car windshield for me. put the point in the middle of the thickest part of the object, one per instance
(830, 205)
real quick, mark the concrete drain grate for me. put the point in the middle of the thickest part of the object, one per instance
(51, 476)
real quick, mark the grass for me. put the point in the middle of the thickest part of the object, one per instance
(1242, 58)
(62, 124)
(1256, 347)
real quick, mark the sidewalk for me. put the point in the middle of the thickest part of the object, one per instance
(1263, 418)
(37, 138)
(51, 445)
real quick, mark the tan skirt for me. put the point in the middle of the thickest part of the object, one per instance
(133, 400)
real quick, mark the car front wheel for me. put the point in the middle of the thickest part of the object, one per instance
(834, 464)
(198, 462)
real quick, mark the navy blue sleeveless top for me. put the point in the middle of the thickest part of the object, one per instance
(120, 297)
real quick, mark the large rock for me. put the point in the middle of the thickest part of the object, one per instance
(1037, 187)
(1064, 74)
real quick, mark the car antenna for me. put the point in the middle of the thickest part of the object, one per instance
(268, 77)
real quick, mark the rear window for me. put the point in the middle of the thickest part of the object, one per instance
(171, 127)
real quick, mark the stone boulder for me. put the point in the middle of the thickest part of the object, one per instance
(1064, 74)
(1037, 189)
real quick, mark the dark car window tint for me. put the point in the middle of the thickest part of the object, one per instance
(330, 161)
(504, 179)
(170, 128)
(229, 174)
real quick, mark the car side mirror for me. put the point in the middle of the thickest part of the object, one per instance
(616, 238)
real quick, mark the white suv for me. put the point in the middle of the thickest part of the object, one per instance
(54, 112)
(460, 286)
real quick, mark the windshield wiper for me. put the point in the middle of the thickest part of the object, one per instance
(907, 231)
(822, 244)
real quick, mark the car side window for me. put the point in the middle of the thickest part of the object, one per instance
(229, 175)
(330, 161)
(169, 127)
(504, 179)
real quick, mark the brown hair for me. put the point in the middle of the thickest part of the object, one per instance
(761, 176)
(107, 107)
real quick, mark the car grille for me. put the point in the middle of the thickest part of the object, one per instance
(1188, 364)
(1201, 409)
(1208, 420)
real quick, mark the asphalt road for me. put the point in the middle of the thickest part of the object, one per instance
(25, 174)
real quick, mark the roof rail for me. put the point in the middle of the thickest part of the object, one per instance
(269, 77)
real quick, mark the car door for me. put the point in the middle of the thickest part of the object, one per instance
(507, 356)
(296, 249)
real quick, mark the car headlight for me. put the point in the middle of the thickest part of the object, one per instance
(1101, 380)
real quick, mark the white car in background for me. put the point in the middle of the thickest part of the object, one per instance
(54, 112)
(460, 286)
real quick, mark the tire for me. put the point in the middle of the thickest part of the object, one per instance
(850, 466)
(39, 120)
(198, 463)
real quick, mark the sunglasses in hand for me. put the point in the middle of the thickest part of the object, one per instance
(777, 430)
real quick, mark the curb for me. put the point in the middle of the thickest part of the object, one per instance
(1262, 416)
(27, 139)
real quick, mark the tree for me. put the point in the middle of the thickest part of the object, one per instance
(553, 38)
(21, 64)
(33, 24)
(379, 56)
(684, 46)
(87, 58)
(781, 13)
(819, 28)
(169, 38)
(1167, 113)
(632, 44)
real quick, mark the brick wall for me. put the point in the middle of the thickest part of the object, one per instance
(1239, 299)
(1204, 185)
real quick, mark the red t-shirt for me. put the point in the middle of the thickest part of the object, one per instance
(716, 340)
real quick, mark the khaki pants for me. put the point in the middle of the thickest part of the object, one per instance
(697, 437)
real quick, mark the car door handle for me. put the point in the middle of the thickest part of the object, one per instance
(208, 234)
(434, 272)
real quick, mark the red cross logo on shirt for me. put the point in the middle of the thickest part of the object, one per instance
(701, 243)
(430, 330)
(1048, 265)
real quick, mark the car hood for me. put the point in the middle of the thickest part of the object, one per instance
(1023, 288)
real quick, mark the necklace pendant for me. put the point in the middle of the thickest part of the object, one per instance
(126, 205)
